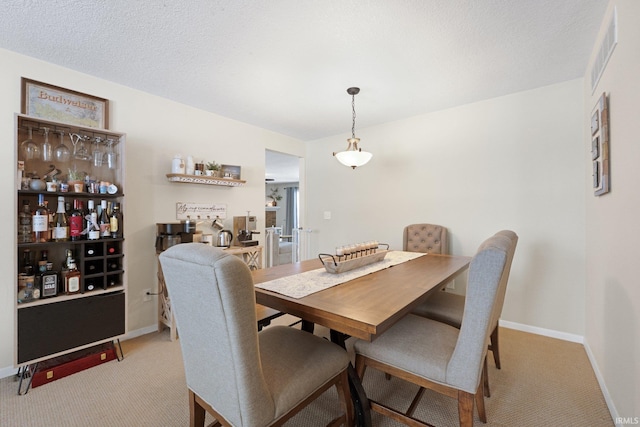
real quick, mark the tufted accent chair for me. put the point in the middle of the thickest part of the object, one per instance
(427, 238)
(440, 357)
(448, 308)
(241, 377)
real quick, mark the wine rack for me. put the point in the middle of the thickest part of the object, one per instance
(64, 323)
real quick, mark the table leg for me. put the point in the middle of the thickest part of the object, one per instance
(361, 406)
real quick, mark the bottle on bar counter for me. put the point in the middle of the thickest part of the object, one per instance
(64, 270)
(60, 223)
(92, 223)
(104, 223)
(72, 279)
(47, 280)
(76, 221)
(27, 291)
(40, 221)
(115, 220)
(24, 223)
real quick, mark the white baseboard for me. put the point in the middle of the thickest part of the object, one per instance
(10, 370)
(139, 332)
(603, 386)
(542, 331)
(7, 372)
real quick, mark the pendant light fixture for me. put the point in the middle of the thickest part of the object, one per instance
(353, 156)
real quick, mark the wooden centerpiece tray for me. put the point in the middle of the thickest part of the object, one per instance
(333, 264)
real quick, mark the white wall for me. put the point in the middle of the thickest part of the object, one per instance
(514, 162)
(156, 129)
(612, 222)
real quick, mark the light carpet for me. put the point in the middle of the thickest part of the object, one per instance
(543, 382)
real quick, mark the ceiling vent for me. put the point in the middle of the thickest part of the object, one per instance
(606, 49)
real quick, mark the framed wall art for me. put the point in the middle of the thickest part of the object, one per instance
(64, 105)
(600, 146)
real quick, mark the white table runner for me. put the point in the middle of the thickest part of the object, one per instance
(309, 282)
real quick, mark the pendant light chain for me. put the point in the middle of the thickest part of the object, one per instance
(353, 122)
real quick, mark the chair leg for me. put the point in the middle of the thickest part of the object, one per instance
(495, 348)
(465, 408)
(482, 413)
(196, 412)
(344, 395)
(485, 380)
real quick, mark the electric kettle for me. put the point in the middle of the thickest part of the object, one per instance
(224, 239)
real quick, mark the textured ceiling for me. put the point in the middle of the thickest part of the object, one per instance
(284, 65)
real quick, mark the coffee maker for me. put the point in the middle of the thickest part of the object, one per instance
(172, 233)
(244, 228)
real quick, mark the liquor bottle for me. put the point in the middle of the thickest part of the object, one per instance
(27, 266)
(40, 221)
(65, 270)
(47, 280)
(76, 221)
(24, 223)
(104, 223)
(116, 221)
(92, 223)
(72, 279)
(60, 223)
(26, 280)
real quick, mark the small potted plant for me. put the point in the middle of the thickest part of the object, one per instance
(213, 169)
(275, 196)
(75, 179)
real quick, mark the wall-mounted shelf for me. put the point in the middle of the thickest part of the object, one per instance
(203, 179)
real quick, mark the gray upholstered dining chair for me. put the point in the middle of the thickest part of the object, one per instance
(438, 356)
(427, 238)
(448, 307)
(242, 377)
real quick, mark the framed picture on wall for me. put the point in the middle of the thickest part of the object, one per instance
(64, 105)
(600, 146)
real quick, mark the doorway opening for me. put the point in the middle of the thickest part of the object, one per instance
(282, 206)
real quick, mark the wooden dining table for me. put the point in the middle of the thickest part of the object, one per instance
(364, 307)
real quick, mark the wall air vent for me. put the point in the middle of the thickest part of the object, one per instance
(609, 42)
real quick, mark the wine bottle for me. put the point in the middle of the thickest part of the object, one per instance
(50, 227)
(72, 279)
(24, 223)
(104, 223)
(60, 223)
(92, 223)
(116, 221)
(40, 221)
(76, 220)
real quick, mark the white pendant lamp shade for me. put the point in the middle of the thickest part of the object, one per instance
(353, 156)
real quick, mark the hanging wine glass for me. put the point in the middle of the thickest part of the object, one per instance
(112, 156)
(29, 148)
(62, 152)
(97, 152)
(80, 152)
(47, 148)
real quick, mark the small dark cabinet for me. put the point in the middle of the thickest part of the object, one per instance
(54, 328)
